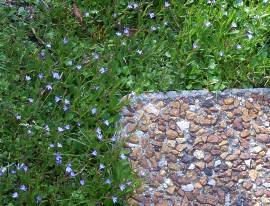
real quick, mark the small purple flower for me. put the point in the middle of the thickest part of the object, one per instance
(207, 24)
(249, 35)
(129, 183)
(30, 100)
(18, 117)
(2, 171)
(94, 153)
(51, 146)
(65, 40)
(95, 55)
(11, 172)
(58, 158)
(151, 15)
(49, 87)
(57, 99)
(27, 78)
(68, 168)
(123, 156)
(60, 129)
(94, 110)
(15, 195)
(65, 108)
(66, 102)
(122, 187)
(86, 14)
(72, 174)
(238, 46)
(114, 199)
(100, 137)
(47, 128)
(25, 168)
(106, 122)
(166, 4)
(56, 75)
(70, 63)
(67, 127)
(221, 53)
(139, 52)
(101, 167)
(118, 33)
(126, 31)
(38, 199)
(233, 25)
(78, 124)
(153, 28)
(40, 76)
(113, 138)
(108, 181)
(195, 45)
(103, 70)
(79, 67)
(82, 182)
(23, 188)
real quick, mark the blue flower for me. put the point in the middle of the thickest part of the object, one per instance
(122, 187)
(70, 63)
(114, 199)
(118, 33)
(18, 117)
(94, 153)
(12, 172)
(79, 67)
(166, 4)
(49, 46)
(82, 182)
(40, 76)
(58, 158)
(103, 70)
(30, 100)
(151, 15)
(56, 75)
(101, 166)
(15, 195)
(51, 145)
(67, 127)
(27, 78)
(2, 171)
(38, 199)
(23, 188)
(49, 87)
(60, 129)
(65, 40)
(123, 156)
(57, 99)
(68, 168)
(108, 181)
(94, 110)
(106, 122)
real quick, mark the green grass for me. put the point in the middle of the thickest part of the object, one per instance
(187, 45)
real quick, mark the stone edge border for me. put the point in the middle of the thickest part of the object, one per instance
(194, 93)
(147, 97)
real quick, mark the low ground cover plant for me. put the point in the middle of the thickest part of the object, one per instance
(65, 65)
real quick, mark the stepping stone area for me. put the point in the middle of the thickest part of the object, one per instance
(200, 148)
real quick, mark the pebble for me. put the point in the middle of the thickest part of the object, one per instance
(199, 154)
(187, 188)
(199, 150)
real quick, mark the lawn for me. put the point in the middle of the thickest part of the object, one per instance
(65, 65)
